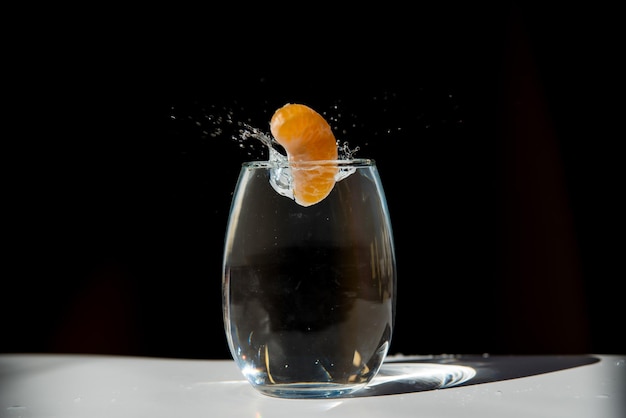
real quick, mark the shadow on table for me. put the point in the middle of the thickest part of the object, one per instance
(413, 374)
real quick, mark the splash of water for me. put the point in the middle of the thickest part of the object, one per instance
(214, 122)
(280, 176)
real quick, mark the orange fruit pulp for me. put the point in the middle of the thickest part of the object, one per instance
(310, 144)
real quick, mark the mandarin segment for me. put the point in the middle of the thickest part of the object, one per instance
(306, 136)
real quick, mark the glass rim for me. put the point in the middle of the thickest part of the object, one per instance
(352, 162)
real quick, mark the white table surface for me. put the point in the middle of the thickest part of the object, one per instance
(43, 385)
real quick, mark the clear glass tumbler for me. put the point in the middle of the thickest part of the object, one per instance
(309, 292)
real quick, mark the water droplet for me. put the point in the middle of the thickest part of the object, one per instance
(619, 363)
(602, 396)
(498, 393)
(77, 400)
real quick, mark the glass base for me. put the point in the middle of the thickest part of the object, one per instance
(309, 390)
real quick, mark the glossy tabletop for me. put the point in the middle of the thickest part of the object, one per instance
(43, 385)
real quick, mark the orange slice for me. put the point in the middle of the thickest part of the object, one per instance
(307, 139)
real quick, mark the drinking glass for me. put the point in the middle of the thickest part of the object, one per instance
(309, 292)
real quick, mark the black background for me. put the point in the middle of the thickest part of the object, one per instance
(494, 130)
